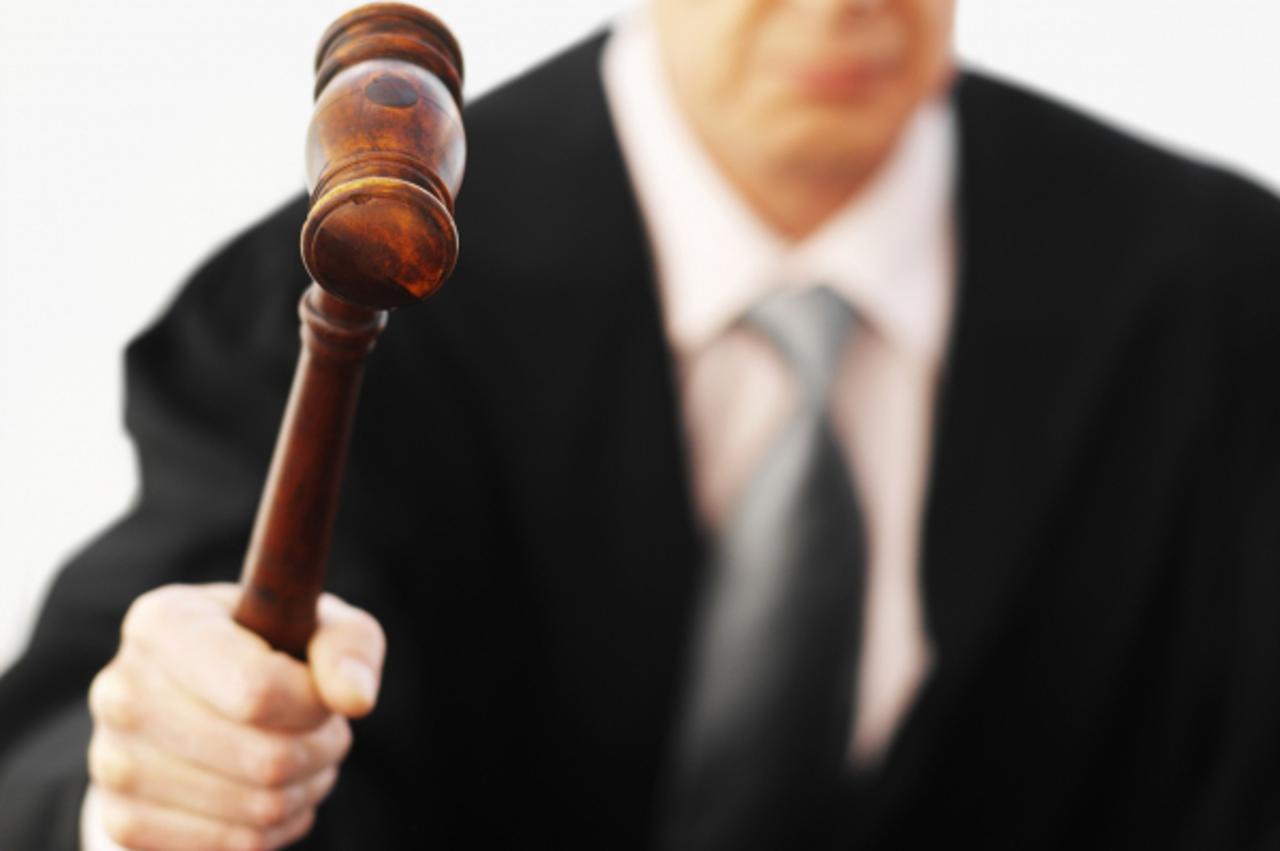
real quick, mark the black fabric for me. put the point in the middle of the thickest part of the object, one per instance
(1101, 545)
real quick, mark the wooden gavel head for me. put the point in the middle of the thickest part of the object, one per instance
(385, 155)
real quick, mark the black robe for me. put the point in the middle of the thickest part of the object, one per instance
(1101, 554)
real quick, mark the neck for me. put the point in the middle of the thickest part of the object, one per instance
(797, 199)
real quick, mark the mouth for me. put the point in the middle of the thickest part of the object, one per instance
(844, 79)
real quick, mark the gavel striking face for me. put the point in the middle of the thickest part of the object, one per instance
(385, 154)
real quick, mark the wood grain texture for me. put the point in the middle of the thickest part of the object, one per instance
(385, 154)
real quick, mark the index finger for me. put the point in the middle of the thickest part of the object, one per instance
(189, 633)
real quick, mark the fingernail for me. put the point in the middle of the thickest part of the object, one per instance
(360, 677)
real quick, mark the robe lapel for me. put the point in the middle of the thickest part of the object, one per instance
(987, 495)
(559, 283)
(1018, 394)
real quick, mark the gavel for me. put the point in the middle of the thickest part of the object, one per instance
(385, 153)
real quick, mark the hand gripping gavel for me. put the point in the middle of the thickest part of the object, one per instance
(385, 154)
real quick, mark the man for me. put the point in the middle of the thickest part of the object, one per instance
(1063, 428)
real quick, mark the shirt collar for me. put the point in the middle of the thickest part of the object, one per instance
(715, 257)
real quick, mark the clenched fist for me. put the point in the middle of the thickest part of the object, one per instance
(206, 738)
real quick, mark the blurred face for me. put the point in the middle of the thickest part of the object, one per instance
(803, 88)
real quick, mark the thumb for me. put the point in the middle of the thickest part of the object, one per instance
(346, 656)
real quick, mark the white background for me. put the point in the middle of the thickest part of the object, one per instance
(137, 135)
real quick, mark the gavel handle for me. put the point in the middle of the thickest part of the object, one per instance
(285, 565)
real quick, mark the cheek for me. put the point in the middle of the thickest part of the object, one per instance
(931, 23)
(730, 37)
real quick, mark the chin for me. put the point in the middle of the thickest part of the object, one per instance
(832, 144)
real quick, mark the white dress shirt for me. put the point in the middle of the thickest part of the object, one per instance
(889, 253)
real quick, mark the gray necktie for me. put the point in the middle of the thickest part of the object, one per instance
(767, 710)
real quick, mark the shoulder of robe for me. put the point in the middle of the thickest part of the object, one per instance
(536, 145)
(1130, 211)
(246, 290)
(241, 301)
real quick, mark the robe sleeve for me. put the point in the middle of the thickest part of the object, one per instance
(420, 543)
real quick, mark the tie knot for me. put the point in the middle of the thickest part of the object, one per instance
(809, 329)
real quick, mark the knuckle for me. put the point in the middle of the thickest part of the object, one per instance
(269, 808)
(145, 610)
(111, 698)
(274, 765)
(342, 738)
(124, 824)
(321, 785)
(112, 767)
(256, 697)
(301, 827)
(245, 839)
(331, 742)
